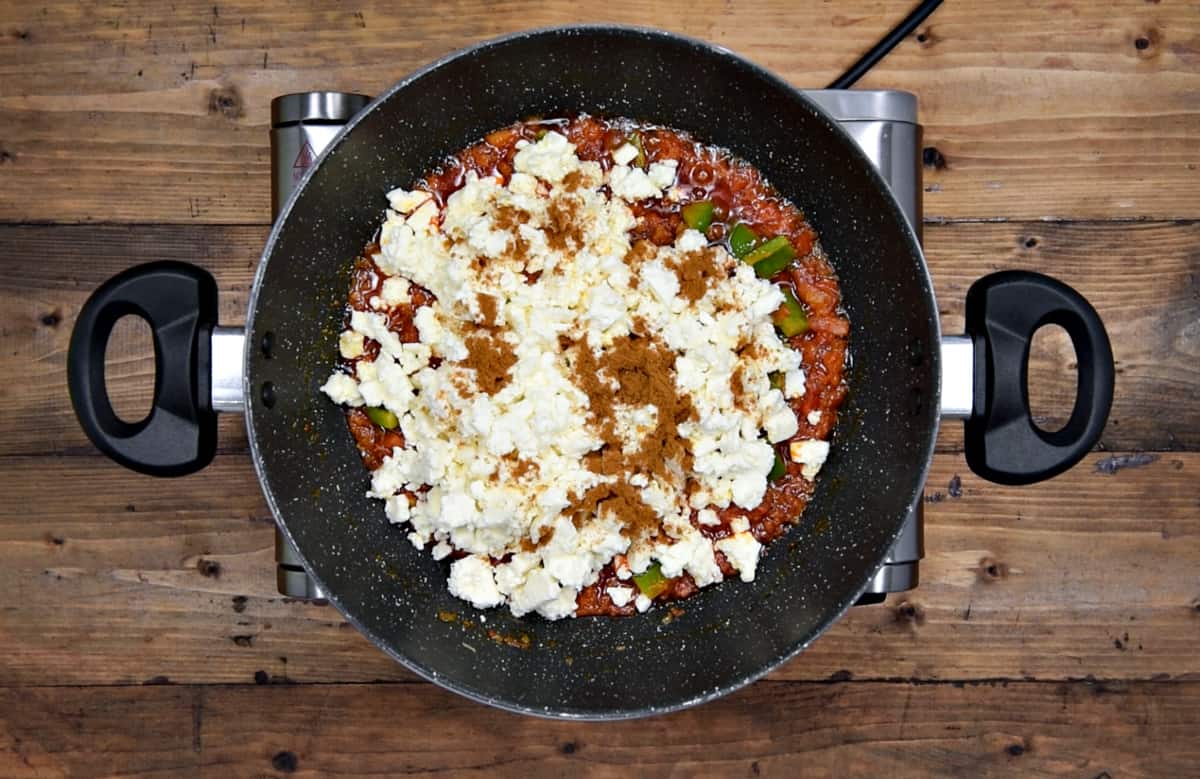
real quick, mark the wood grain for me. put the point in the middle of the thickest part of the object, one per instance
(158, 112)
(116, 578)
(1143, 278)
(771, 729)
(1055, 629)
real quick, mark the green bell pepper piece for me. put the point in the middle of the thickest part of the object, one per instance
(382, 417)
(698, 215)
(777, 253)
(651, 582)
(640, 159)
(778, 469)
(790, 317)
(742, 240)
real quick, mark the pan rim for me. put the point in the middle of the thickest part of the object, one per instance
(832, 615)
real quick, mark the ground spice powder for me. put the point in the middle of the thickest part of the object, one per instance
(697, 270)
(644, 371)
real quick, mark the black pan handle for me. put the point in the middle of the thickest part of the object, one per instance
(179, 302)
(1003, 311)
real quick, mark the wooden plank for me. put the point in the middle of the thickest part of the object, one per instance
(111, 577)
(1143, 278)
(48, 273)
(158, 112)
(770, 729)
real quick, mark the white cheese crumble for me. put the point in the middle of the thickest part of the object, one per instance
(620, 596)
(473, 580)
(741, 550)
(351, 344)
(633, 183)
(494, 475)
(625, 154)
(811, 454)
(342, 389)
(395, 291)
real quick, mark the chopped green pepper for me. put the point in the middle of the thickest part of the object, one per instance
(640, 159)
(790, 317)
(778, 469)
(651, 582)
(773, 264)
(382, 417)
(767, 251)
(542, 133)
(771, 257)
(698, 215)
(742, 240)
(776, 378)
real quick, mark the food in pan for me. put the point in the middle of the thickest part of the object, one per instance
(592, 365)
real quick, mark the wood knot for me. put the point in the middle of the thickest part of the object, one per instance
(21, 35)
(209, 568)
(262, 677)
(1146, 44)
(1016, 749)
(285, 761)
(225, 101)
(52, 318)
(909, 613)
(1030, 242)
(992, 570)
(6, 156)
(926, 37)
(239, 603)
(954, 488)
(931, 157)
(569, 748)
(243, 640)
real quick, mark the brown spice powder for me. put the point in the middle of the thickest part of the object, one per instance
(644, 371)
(625, 503)
(638, 253)
(490, 358)
(487, 307)
(696, 271)
(563, 231)
(573, 181)
(521, 466)
(737, 385)
(509, 220)
(528, 544)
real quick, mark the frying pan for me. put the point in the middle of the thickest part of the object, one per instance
(727, 635)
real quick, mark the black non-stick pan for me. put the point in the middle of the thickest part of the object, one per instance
(728, 634)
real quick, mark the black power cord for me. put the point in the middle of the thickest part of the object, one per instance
(881, 49)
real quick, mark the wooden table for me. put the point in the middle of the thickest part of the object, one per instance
(1057, 627)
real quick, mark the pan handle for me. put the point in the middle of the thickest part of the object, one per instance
(179, 302)
(1003, 311)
